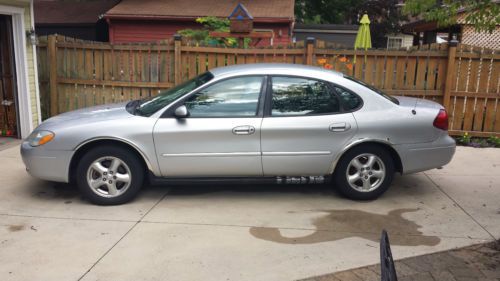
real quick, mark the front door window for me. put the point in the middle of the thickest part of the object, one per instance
(234, 97)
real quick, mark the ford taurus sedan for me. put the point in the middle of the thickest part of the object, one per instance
(278, 123)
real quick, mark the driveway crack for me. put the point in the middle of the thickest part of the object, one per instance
(462, 208)
(124, 235)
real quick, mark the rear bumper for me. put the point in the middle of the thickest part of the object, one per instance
(426, 156)
(51, 165)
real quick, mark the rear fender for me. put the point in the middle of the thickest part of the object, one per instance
(394, 154)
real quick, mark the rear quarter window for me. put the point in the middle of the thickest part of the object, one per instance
(350, 101)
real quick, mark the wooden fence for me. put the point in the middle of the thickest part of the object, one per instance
(75, 73)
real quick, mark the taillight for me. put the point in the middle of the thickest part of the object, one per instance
(441, 121)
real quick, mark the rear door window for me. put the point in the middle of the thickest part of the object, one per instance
(296, 96)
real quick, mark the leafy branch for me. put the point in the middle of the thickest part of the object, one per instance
(211, 24)
(484, 15)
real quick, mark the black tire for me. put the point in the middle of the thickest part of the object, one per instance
(340, 175)
(133, 163)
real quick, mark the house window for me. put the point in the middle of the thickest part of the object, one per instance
(394, 42)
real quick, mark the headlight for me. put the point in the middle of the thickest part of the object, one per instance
(38, 138)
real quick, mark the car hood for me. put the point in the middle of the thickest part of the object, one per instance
(90, 114)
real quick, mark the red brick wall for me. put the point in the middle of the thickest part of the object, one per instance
(125, 31)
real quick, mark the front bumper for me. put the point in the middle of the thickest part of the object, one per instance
(51, 165)
(426, 156)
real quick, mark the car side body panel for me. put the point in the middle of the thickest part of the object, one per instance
(304, 145)
(202, 147)
(418, 157)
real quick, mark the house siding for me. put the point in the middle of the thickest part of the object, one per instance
(145, 31)
(26, 5)
(125, 31)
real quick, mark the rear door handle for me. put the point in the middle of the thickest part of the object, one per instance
(244, 130)
(340, 127)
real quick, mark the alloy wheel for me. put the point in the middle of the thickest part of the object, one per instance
(109, 176)
(365, 172)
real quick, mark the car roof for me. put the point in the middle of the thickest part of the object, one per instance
(273, 68)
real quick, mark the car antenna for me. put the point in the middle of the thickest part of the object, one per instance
(413, 111)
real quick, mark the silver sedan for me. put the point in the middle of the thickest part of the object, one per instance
(281, 123)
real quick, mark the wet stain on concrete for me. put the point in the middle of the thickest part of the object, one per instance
(15, 228)
(341, 224)
(59, 191)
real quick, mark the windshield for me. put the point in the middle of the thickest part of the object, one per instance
(393, 99)
(149, 106)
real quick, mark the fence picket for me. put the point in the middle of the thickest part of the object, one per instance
(75, 73)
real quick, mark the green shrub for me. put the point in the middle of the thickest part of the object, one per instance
(211, 23)
(494, 141)
(464, 139)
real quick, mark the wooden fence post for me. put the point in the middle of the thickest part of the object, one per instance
(450, 73)
(52, 49)
(177, 59)
(310, 50)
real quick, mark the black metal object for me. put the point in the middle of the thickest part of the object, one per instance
(387, 269)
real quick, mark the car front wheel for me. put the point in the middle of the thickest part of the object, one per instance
(364, 172)
(110, 175)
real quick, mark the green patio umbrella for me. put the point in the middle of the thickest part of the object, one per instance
(363, 38)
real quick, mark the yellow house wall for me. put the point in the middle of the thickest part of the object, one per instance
(26, 5)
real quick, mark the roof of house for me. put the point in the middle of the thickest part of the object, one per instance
(261, 10)
(70, 12)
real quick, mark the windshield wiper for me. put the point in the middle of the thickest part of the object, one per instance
(133, 106)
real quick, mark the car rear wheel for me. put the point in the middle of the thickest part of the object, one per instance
(364, 172)
(110, 175)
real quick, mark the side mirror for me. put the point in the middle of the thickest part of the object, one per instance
(181, 112)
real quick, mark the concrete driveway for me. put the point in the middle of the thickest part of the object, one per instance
(47, 232)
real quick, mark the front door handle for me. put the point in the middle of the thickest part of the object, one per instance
(244, 130)
(340, 127)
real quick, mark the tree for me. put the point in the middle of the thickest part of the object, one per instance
(211, 23)
(386, 18)
(326, 11)
(384, 15)
(484, 15)
(202, 35)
